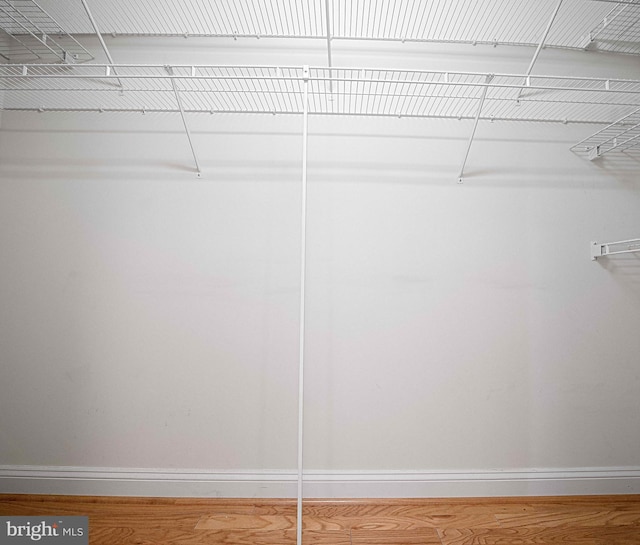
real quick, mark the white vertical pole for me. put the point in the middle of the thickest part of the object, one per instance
(303, 270)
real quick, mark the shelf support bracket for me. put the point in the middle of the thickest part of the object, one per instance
(176, 92)
(542, 42)
(329, 61)
(599, 249)
(85, 5)
(483, 96)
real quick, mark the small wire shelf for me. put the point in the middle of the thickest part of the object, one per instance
(622, 136)
(30, 34)
(619, 30)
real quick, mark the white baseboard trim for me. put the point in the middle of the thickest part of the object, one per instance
(318, 484)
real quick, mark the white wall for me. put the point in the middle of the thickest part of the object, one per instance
(456, 333)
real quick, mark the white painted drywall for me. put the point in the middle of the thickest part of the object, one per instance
(148, 319)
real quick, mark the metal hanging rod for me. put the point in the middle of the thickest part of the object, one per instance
(599, 249)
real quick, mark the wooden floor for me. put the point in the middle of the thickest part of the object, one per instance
(585, 520)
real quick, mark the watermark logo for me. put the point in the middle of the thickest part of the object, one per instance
(45, 530)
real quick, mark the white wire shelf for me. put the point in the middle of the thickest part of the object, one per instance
(333, 91)
(603, 249)
(619, 30)
(42, 30)
(495, 22)
(621, 136)
(31, 34)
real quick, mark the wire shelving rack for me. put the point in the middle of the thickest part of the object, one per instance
(43, 32)
(28, 33)
(333, 91)
(580, 24)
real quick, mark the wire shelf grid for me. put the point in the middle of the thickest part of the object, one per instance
(332, 91)
(519, 22)
(619, 30)
(31, 34)
(621, 136)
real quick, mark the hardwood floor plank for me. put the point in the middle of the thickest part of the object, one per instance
(416, 515)
(266, 523)
(111, 515)
(146, 536)
(413, 508)
(422, 536)
(89, 505)
(540, 536)
(273, 522)
(322, 538)
(323, 524)
(569, 508)
(135, 536)
(422, 520)
(339, 522)
(379, 523)
(578, 518)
